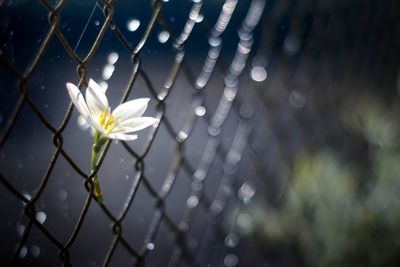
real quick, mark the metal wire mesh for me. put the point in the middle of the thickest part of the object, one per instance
(246, 155)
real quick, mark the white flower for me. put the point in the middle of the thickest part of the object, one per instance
(95, 111)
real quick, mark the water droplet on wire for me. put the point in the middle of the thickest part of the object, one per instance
(231, 260)
(244, 220)
(150, 246)
(192, 201)
(231, 240)
(246, 192)
(20, 229)
(199, 18)
(200, 111)
(258, 74)
(108, 71)
(112, 58)
(133, 25)
(23, 252)
(41, 217)
(163, 37)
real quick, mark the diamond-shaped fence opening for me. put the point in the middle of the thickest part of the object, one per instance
(239, 88)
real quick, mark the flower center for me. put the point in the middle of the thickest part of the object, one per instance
(107, 122)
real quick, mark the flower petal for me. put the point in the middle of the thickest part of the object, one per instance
(96, 99)
(77, 99)
(92, 123)
(121, 136)
(82, 122)
(80, 104)
(134, 124)
(131, 109)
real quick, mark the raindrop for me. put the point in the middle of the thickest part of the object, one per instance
(133, 25)
(244, 220)
(231, 80)
(62, 195)
(127, 177)
(112, 58)
(214, 131)
(246, 192)
(163, 37)
(150, 246)
(108, 71)
(182, 135)
(197, 185)
(35, 251)
(192, 202)
(23, 252)
(42, 87)
(27, 196)
(20, 229)
(41, 217)
(165, 1)
(258, 74)
(231, 240)
(104, 86)
(96, 22)
(297, 99)
(214, 41)
(121, 160)
(230, 93)
(82, 122)
(231, 260)
(200, 111)
(199, 18)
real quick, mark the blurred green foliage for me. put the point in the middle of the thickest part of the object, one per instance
(336, 211)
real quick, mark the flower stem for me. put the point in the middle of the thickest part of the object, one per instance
(95, 152)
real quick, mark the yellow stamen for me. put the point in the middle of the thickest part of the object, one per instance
(110, 123)
(107, 122)
(103, 117)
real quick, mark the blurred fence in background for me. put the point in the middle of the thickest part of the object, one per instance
(240, 88)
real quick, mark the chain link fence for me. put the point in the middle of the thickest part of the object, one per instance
(236, 86)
